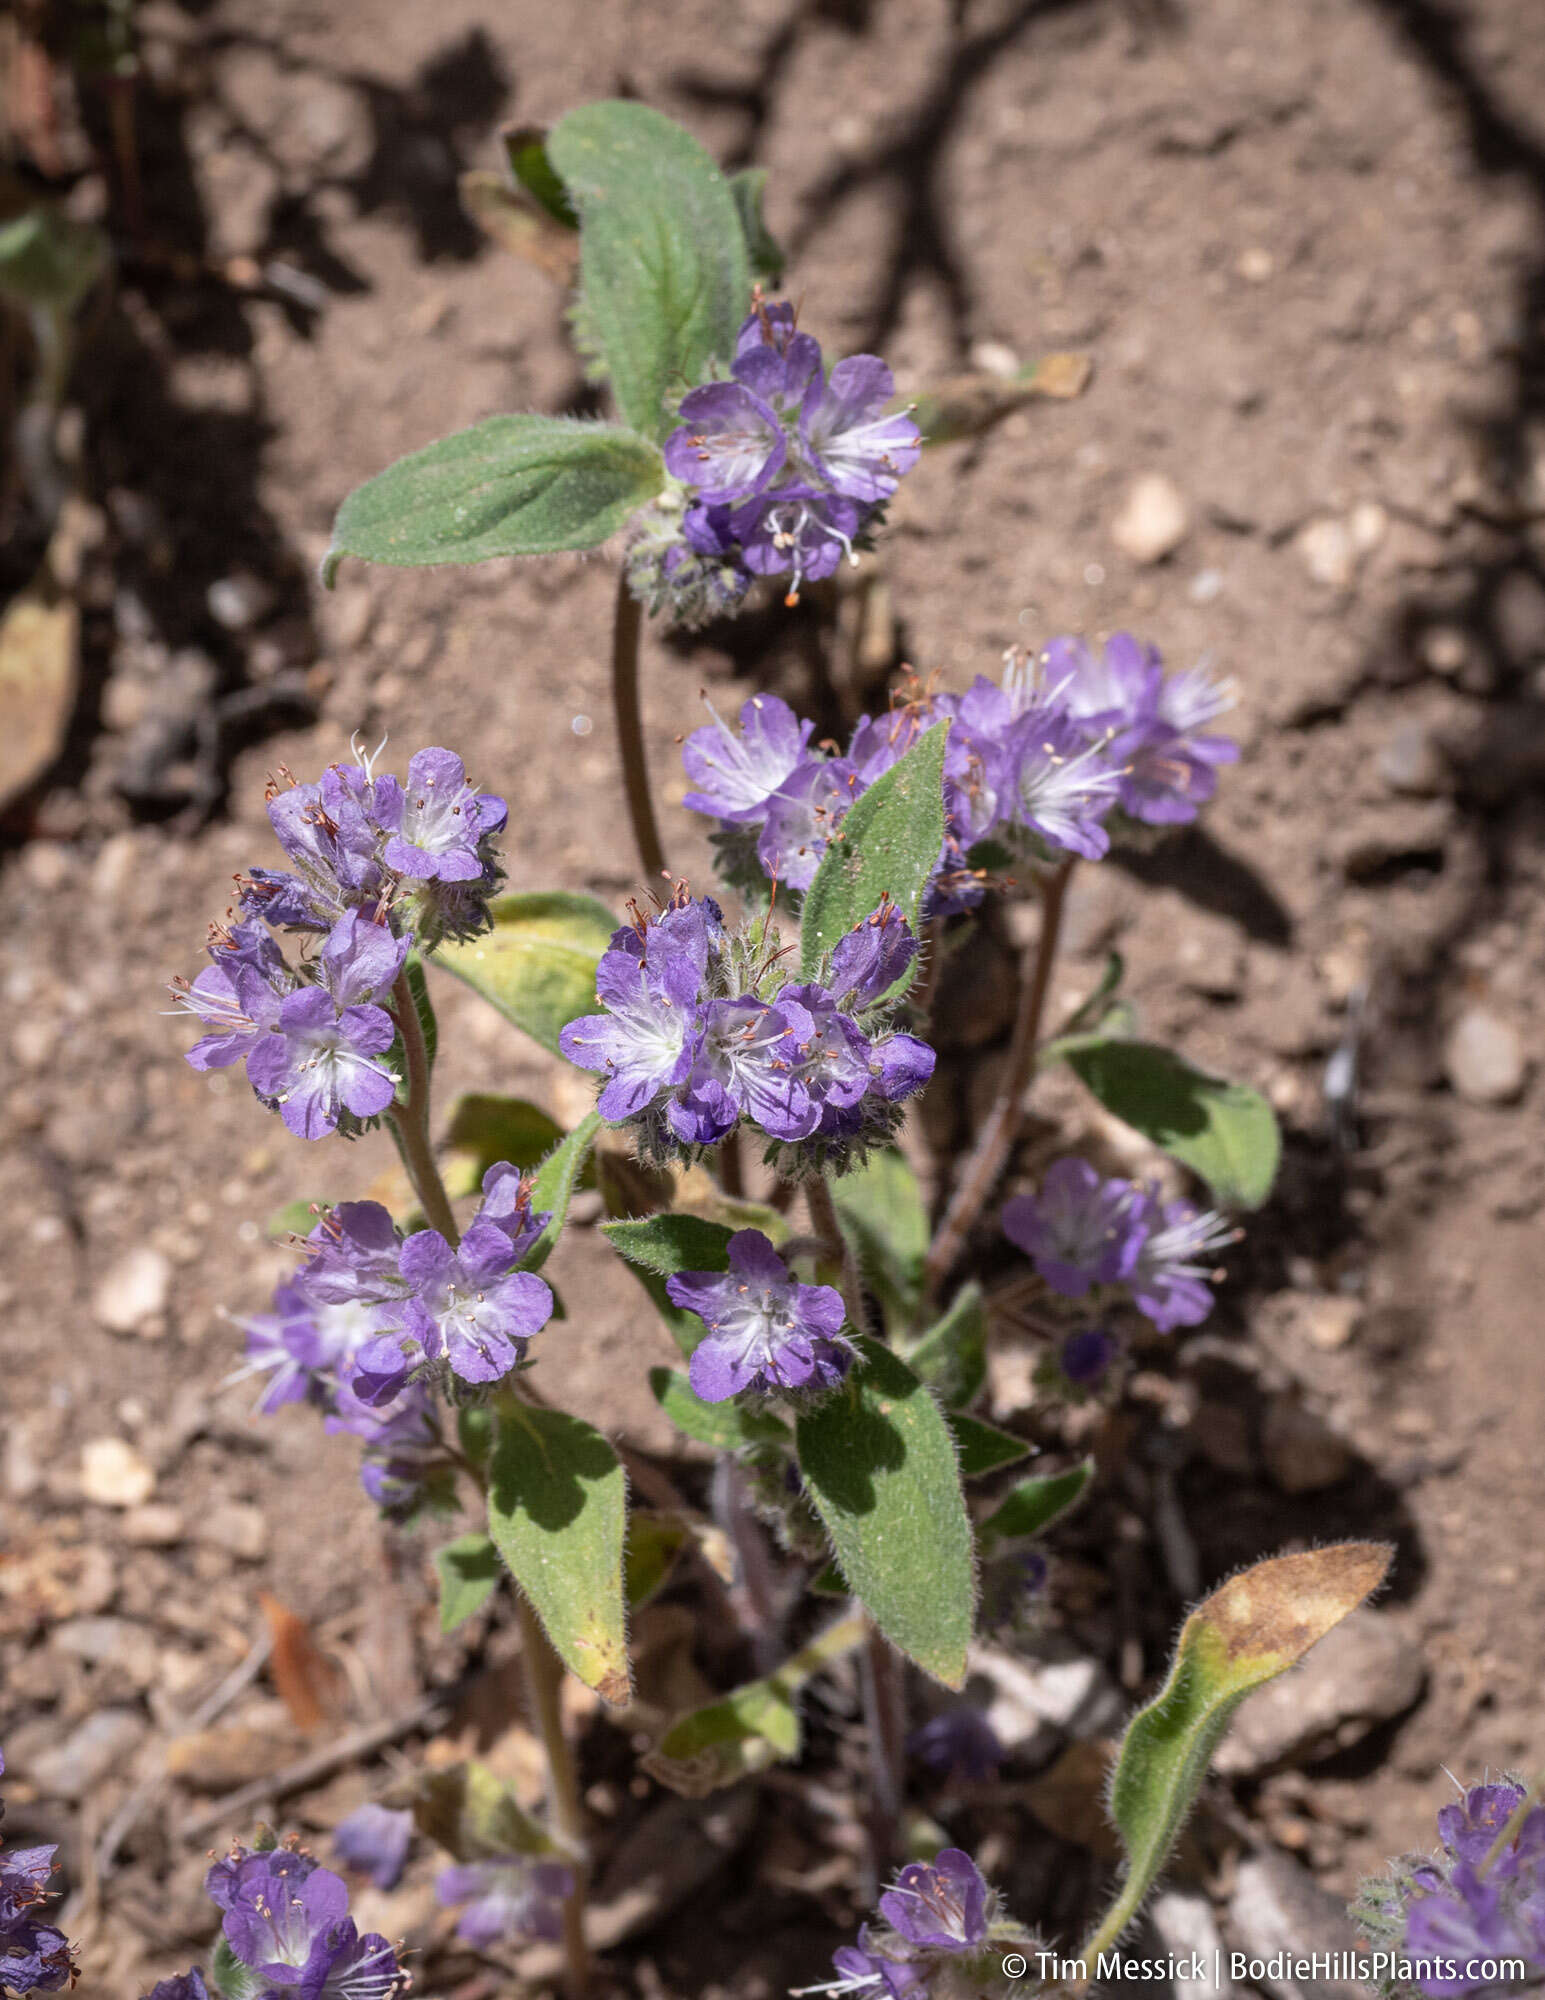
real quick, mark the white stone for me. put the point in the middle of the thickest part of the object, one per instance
(1328, 551)
(1484, 1058)
(114, 1474)
(133, 1290)
(1153, 519)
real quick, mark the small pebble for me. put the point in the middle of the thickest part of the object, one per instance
(1153, 519)
(1484, 1058)
(88, 1754)
(1411, 762)
(239, 1529)
(238, 601)
(133, 1290)
(156, 1526)
(114, 1474)
(1328, 552)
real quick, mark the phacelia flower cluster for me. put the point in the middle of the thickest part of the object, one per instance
(34, 1956)
(516, 1898)
(766, 1332)
(703, 1029)
(1470, 1917)
(286, 1919)
(780, 470)
(1069, 748)
(1110, 1239)
(376, 868)
(373, 1319)
(939, 1929)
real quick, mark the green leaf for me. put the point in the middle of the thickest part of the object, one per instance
(982, 1447)
(537, 965)
(557, 1504)
(525, 147)
(879, 1463)
(654, 1543)
(295, 1218)
(231, 1977)
(724, 1426)
(888, 844)
(1253, 1628)
(951, 1357)
(423, 1006)
(553, 1185)
(509, 486)
(663, 267)
(657, 1247)
(1034, 1504)
(750, 1728)
(469, 1574)
(880, 1207)
(47, 260)
(486, 1129)
(1225, 1132)
(762, 247)
(474, 1815)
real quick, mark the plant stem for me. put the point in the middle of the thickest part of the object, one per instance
(993, 1148)
(885, 1719)
(544, 1681)
(824, 1224)
(627, 631)
(412, 1119)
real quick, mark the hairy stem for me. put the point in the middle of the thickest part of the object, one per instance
(627, 633)
(993, 1148)
(411, 1120)
(544, 1682)
(885, 1719)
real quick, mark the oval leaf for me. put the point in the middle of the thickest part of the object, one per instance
(951, 1357)
(1225, 1132)
(1035, 1503)
(557, 1506)
(474, 1816)
(1253, 1628)
(882, 1212)
(537, 965)
(469, 1574)
(724, 1426)
(665, 278)
(983, 1448)
(511, 486)
(553, 1185)
(887, 845)
(879, 1462)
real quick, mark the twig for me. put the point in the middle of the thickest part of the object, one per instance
(310, 1770)
(992, 1151)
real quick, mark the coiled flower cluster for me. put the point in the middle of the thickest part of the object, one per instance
(703, 1029)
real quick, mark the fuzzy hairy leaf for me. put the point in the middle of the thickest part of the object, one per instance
(664, 273)
(654, 1543)
(509, 486)
(486, 1128)
(983, 1448)
(557, 1507)
(553, 1185)
(881, 1209)
(1251, 1629)
(1035, 1503)
(656, 1247)
(724, 1426)
(951, 1357)
(879, 1463)
(537, 965)
(762, 247)
(469, 1574)
(1226, 1132)
(474, 1815)
(888, 844)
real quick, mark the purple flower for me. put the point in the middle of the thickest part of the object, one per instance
(1469, 1830)
(742, 1063)
(959, 1744)
(468, 1305)
(361, 960)
(187, 1985)
(240, 1002)
(34, 1956)
(1087, 1354)
(507, 1900)
(375, 1840)
(646, 1039)
(861, 451)
(730, 444)
(332, 845)
(801, 817)
(736, 773)
(795, 528)
(436, 822)
(318, 1062)
(1059, 786)
(287, 1919)
(1169, 1283)
(766, 1331)
(1079, 1231)
(939, 1907)
(872, 957)
(868, 1974)
(506, 1204)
